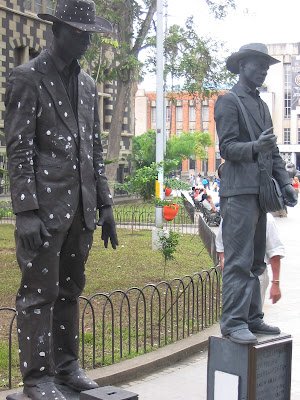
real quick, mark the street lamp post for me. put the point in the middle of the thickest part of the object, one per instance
(159, 122)
(159, 106)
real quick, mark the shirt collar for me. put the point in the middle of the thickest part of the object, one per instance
(62, 66)
(249, 91)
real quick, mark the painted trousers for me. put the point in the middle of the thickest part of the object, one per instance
(53, 277)
(244, 238)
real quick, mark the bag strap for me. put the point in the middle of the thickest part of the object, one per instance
(260, 160)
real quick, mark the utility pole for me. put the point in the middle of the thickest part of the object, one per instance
(159, 107)
(159, 122)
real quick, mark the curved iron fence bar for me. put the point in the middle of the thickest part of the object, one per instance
(82, 329)
(205, 272)
(166, 311)
(9, 341)
(180, 283)
(184, 303)
(216, 275)
(193, 305)
(202, 299)
(200, 278)
(129, 322)
(136, 316)
(151, 311)
(107, 297)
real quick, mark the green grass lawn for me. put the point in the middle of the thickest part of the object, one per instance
(134, 263)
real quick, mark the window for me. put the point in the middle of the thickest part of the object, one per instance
(192, 164)
(178, 132)
(20, 55)
(205, 114)
(287, 91)
(39, 6)
(179, 114)
(287, 105)
(287, 136)
(168, 114)
(23, 54)
(153, 115)
(49, 6)
(298, 135)
(192, 113)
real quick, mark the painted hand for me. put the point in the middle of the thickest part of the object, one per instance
(108, 224)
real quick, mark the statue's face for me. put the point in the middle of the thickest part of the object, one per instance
(254, 70)
(73, 42)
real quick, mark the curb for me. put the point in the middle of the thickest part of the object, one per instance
(129, 370)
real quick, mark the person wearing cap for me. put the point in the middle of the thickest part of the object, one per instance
(244, 222)
(58, 183)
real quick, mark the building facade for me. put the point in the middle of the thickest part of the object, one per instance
(185, 113)
(22, 37)
(282, 93)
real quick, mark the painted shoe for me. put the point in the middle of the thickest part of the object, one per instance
(242, 336)
(76, 380)
(42, 391)
(265, 329)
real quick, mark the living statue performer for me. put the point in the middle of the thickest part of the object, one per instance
(244, 222)
(57, 183)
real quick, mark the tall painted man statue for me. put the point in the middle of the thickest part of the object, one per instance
(244, 222)
(58, 183)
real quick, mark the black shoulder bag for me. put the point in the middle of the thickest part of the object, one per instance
(270, 196)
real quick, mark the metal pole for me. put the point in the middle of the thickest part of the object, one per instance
(159, 103)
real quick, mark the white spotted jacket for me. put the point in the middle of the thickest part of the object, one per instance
(52, 159)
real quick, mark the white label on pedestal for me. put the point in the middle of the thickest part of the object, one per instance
(226, 386)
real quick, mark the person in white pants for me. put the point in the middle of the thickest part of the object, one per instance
(274, 252)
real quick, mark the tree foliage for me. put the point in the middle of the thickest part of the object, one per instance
(144, 149)
(192, 63)
(133, 22)
(178, 148)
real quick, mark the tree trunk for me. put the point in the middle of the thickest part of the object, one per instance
(114, 138)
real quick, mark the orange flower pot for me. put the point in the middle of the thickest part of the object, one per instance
(170, 211)
(168, 191)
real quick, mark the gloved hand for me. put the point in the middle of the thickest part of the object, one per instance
(289, 195)
(108, 224)
(266, 142)
(30, 230)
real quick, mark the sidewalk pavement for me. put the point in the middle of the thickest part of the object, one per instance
(186, 380)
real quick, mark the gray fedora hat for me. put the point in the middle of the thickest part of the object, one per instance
(251, 49)
(80, 14)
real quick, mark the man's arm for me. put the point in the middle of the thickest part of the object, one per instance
(20, 133)
(104, 198)
(21, 103)
(275, 292)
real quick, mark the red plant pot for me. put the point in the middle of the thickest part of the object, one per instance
(168, 191)
(170, 211)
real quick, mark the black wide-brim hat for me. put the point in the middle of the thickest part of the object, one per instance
(80, 14)
(251, 49)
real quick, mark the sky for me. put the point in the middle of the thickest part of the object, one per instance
(266, 21)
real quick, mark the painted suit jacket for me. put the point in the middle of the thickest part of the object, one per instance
(240, 173)
(53, 160)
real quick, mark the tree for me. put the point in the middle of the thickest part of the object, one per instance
(133, 22)
(144, 149)
(188, 145)
(167, 244)
(178, 148)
